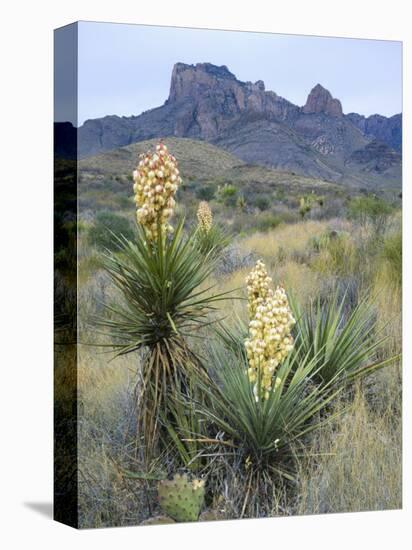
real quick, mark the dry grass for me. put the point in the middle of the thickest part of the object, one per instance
(286, 239)
(358, 462)
(362, 464)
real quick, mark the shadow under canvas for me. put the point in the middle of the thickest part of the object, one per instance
(45, 509)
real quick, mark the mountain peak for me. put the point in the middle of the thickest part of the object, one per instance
(189, 79)
(320, 100)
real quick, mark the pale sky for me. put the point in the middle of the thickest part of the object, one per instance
(126, 69)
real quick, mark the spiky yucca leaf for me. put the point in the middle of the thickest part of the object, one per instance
(160, 289)
(163, 299)
(264, 430)
(346, 345)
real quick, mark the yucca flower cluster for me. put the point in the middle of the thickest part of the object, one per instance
(204, 216)
(270, 325)
(156, 180)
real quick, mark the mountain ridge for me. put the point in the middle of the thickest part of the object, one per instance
(209, 103)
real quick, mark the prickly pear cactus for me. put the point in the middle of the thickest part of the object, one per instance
(181, 498)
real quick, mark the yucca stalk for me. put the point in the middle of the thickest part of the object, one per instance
(345, 344)
(163, 299)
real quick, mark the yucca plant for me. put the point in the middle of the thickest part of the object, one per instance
(161, 277)
(264, 435)
(345, 344)
(163, 300)
(183, 426)
(210, 237)
(215, 240)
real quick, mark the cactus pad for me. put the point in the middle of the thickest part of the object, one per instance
(181, 498)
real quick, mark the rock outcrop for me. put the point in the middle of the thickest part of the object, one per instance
(320, 100)
(376, 156)
(213, 98)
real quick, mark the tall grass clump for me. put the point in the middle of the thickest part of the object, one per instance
(354, 464)
(392, 255)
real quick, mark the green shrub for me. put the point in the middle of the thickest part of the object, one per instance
(106, 228)
(268, 221)
(205, 193)
(262, 202)
(370, 209)
(228, 194)
(337, 253)
(212, 242)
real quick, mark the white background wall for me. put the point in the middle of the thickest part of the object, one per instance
(26, 269)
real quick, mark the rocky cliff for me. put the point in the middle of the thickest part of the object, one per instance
(209, 103)
(320, 100)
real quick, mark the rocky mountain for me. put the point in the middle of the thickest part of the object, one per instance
(321, 101)
(387, 130)
(209, 103)
(376, 156)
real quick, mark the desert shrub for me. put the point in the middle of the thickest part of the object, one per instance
(262, 202)
(106, 227)
(160, 304)
(214, 241)
(258, 437)
(205, 193)
(370, 209)
(162, 297)
(337, 255)
(210, 237)
(267, 221)
(261, 401)
(228, 194)
(241, 202)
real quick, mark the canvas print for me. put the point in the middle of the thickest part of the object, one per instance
(228, 275)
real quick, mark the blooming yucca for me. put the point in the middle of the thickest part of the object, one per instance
(156, 180)
(204, 216)
(270, 325)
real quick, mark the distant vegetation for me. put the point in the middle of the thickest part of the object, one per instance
(265, 197)
(107, 228)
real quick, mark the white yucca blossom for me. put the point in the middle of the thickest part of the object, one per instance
(204, 216)
(270, 325)
(156, 180)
